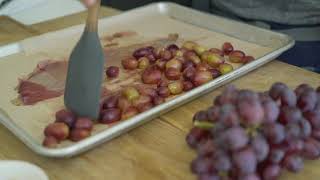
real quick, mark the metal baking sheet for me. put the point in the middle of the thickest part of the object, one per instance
(171, 13)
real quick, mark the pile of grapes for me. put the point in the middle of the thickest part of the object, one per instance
(256, 136)
(164, 72)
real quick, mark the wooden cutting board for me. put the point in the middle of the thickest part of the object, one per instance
(11, 30)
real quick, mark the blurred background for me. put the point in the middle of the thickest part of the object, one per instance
(129, 4)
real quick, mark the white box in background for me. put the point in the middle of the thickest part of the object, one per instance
(34, 11)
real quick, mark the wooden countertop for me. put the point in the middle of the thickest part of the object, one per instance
(156, 150)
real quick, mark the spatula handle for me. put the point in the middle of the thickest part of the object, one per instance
(92, 19)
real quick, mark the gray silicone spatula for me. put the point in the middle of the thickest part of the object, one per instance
(85, 70)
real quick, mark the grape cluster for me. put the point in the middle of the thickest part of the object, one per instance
(255, 136)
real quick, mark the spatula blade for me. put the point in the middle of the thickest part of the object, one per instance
(84, 77)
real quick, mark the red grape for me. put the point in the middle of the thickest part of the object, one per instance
(260, 147)
(301, 89)
(164, 92)
(188, 64)
(129, 113)
(195, 136)
(271, 111)
(157, 100)
(307, 100)
(221, 161)
(293, 131)
(189, 73)
(79, 134)
(251, 112)
(311, 149)
(213, 113)
(209, 176)
(173, 74)
(58, 130)
(202, 165)
(236, 56)
(161, 64)
(166, 55)
(276, 90)
(142, 52)
(314, 118)
(130, 63)
(66, 116)
(201, 116)
(276, 155)
(187, 85)
(123, 103)
(316, 134)
(142, 101)
(235, 138)
(274, 132)
(215, 73)
(250, 177)
(288, 97)
(290, 115)
(145, 108)
(252, 136)
(217, 51)
(202, 77)
(147, 91)
(84, 123)
(151, 58)
(174, 63)
(227, 48)
(112, 71)
(109, 116)
(229, 95)
(247, 95)
(50, 142)
(202, 67)
(247, 59)
(110, 102)
(293, 163)
(271, 172)
(206, 149)
(295, 146)
(245, 161)
(151, 76)
(305, 128)
(228, 115)
(172, 47)
(264, 97)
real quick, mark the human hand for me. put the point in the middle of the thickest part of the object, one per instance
(89, 3)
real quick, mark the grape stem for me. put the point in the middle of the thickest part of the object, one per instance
(203, 124)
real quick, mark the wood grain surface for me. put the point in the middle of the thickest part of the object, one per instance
(156, 150)
(11, 30)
